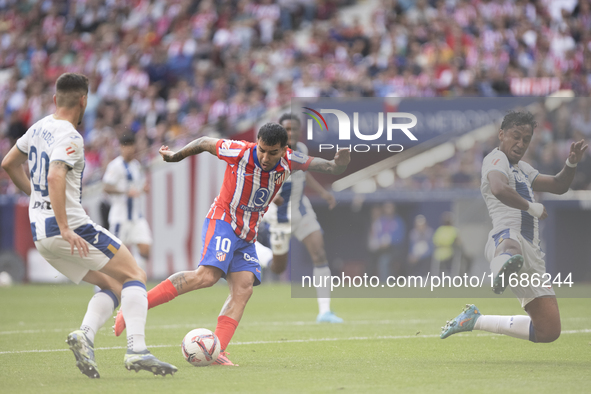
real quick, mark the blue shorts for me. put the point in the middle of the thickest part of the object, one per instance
(223, 249)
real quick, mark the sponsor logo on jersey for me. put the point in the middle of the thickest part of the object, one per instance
(221, 256)
(261, 196)
(42, 205)
(251, 209)
(226, 144)
(70, 150)
(248, 257)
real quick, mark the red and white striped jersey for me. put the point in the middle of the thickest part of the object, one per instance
(247, 190)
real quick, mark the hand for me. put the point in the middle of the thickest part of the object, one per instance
(133, 193)
(576, 151)
(544, 214)
(278, 200)
(75, 241)
(332, 202)
(166, 154)
(146, 187)
(342, 157)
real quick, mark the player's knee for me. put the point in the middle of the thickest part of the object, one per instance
(206, 279)
(319, 257)
(547, 336)
(242, 292)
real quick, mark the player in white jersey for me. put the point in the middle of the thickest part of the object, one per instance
(125, 182)
(292, 215)
(55, 154)
(513, 245)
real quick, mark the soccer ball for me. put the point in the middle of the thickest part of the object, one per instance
(201, 347)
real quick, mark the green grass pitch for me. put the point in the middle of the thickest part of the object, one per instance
(385, 345)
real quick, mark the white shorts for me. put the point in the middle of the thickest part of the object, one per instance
(280, 233)
(533, 263)
(102, 246)
(132, 232)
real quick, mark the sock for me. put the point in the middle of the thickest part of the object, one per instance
(134, 305)
(514, 326)
(323, 293)
(225, 330)
(497, 263)
(162, 293)
(100, 308)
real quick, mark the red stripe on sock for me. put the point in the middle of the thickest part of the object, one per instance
(163, 292)
(225, 330)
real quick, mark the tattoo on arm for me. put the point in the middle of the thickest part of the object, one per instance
(321, 165)
(178, 280)
(202, 144)
(60, 165)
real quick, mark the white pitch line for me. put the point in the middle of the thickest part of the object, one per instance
(193, 325)
(381, 337)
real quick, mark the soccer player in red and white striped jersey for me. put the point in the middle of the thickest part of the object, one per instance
(254, 175)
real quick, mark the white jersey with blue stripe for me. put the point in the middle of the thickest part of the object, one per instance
(47, 141)
(292, 193)
(124, 175)
(521, 178)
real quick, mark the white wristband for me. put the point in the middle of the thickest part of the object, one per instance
(571, 165)
(535, 209)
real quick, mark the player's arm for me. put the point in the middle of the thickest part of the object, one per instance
(560, 183)
(336, 166)
(56, 183)
(201, 144)
(13, 165)
(318, 188)
(499, 187)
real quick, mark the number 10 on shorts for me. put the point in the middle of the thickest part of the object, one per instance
(223, 244)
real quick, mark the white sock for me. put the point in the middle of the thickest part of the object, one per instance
(134, 305)
(514, 326)
(497, 263)
(323, 293)
(100, 309)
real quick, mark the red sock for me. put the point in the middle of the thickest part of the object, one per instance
(163, 292)
(225, 330)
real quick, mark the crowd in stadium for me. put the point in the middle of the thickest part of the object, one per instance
(172, 70)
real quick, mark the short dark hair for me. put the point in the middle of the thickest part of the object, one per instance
(516, 118)
(127, 139)
(69, 87)
(273, 134)
(288, 116)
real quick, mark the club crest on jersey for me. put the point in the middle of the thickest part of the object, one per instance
(221, 256)
(279, 177)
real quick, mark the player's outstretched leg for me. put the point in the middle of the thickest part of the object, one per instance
(511, 266)
(99, 309)
(178, 284)
(517, 326)
(135, 309)
(83, 350)
(465, 321)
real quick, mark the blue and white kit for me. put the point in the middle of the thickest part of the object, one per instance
(47, 141)
(295, 216)
(511, 223)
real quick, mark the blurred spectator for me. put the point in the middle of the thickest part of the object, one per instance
(420, 247)
(387, 239)
(449, 256)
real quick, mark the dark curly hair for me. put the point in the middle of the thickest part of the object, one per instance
(273, 134)
(288, 116)
(516, 118)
